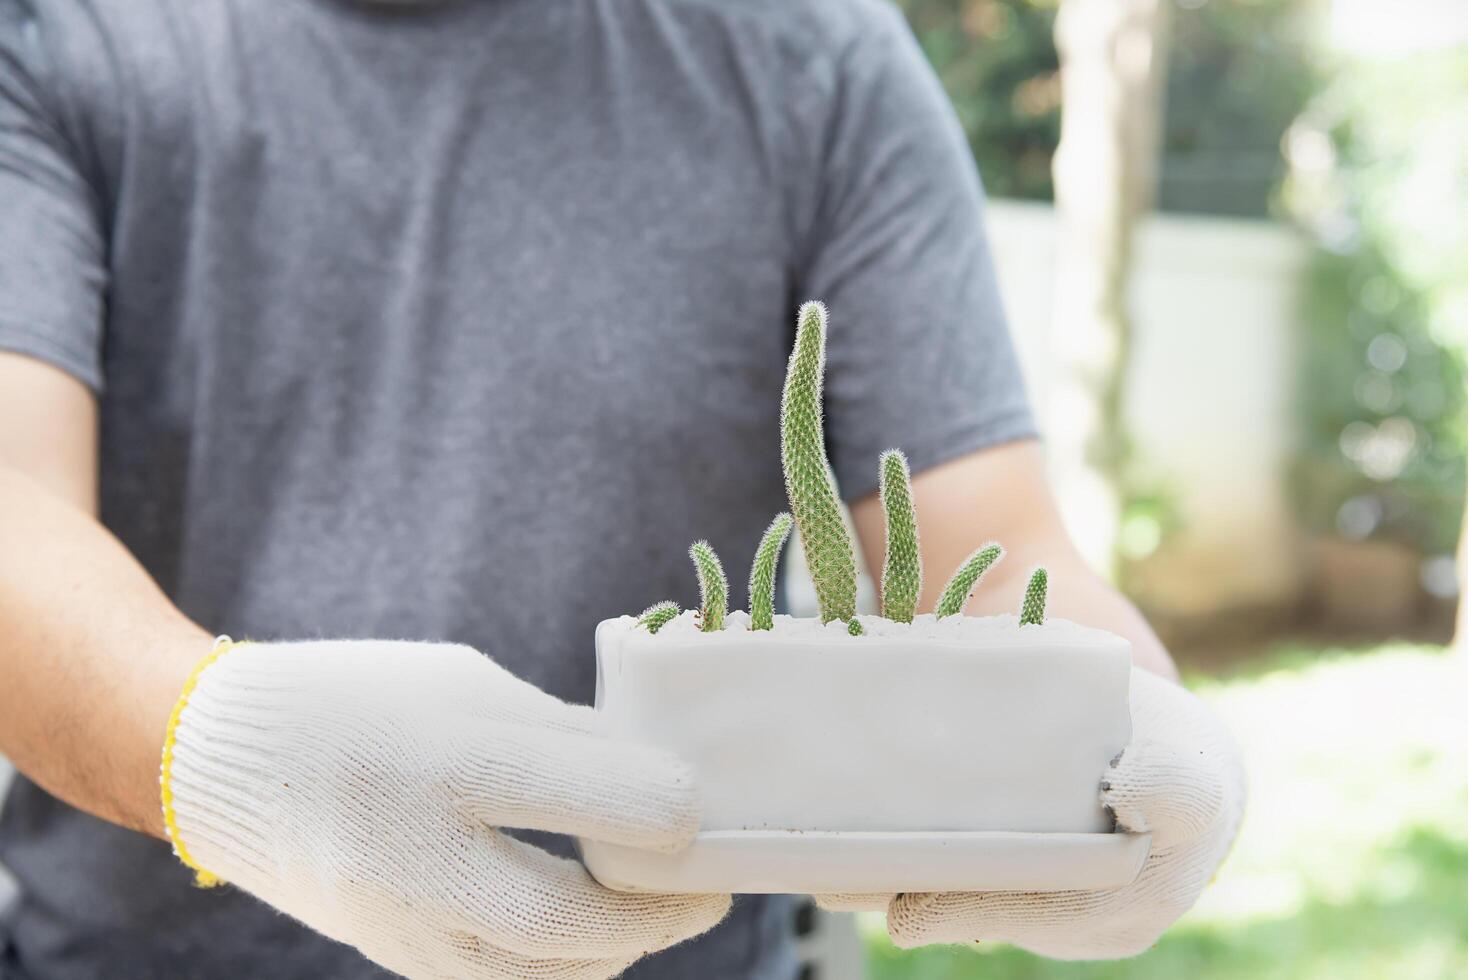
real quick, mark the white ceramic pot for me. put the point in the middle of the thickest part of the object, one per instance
(940, 756)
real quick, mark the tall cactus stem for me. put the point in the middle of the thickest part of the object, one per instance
(713, 587)
(902, 570)
(658, 615)
(829, 552)
(1032, 613)
(762, 573)
(962, 583)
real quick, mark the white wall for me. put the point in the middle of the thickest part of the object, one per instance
(1214, 306)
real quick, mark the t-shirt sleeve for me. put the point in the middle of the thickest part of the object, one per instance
(919, 356)
(52, 256)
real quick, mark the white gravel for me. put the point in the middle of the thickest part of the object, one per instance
(964, 629)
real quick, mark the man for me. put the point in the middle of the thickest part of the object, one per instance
(455, 321)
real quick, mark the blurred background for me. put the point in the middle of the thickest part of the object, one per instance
(1233, 241)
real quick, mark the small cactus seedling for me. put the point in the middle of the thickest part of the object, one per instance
(658, 615)
(762, 574)
(902, 570)
(713, 587)
(853, 627)
(828, 548)
(1032, 613)
(961, 585)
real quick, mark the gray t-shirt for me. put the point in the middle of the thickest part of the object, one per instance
(461, 321)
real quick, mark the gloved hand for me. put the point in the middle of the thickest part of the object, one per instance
(1180, 778)
(355, 785)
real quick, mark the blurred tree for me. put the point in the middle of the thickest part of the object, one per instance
(1112, 57)
(998, 61)
(1238, 75)
(1240, 71)
(1382, 405)
(1379, 174)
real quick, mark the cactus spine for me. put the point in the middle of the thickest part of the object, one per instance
(713, 587)
(1032, 613)
(902, 570)
(961, 585)
(808, 481)
(658, 615)
(762, 574)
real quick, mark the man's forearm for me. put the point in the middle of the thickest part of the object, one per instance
(1001, 494)
(93, 656)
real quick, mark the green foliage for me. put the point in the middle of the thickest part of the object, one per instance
(1238, 75)
(1032, 613)
(997, 60)
(1382, 453)
(1381, 179)
(762, 573)
(961, 585)
(658, 615)
(902, 570)
(829, 552)
(713, 587)
(853, 627)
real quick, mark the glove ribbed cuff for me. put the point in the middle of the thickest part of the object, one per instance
(203, 878)
(213, 774)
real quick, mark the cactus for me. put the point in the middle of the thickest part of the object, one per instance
(853, 627)
(762, 573)
(1032, 613)
(829, 552)
(961, 584)
(713, 587)
(902, 570)
(658, 615)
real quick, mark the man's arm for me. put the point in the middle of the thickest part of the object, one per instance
(1001, 494)
(93, 655)
(93, 658)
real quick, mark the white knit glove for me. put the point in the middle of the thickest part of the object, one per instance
(1180, 778)
(355, 785)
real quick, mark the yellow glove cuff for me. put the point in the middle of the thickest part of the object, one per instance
(202, 878)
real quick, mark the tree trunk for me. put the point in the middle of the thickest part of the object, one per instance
(1112, 66)
(1460, 624)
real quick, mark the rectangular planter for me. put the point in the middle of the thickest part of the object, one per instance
(877, 763)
